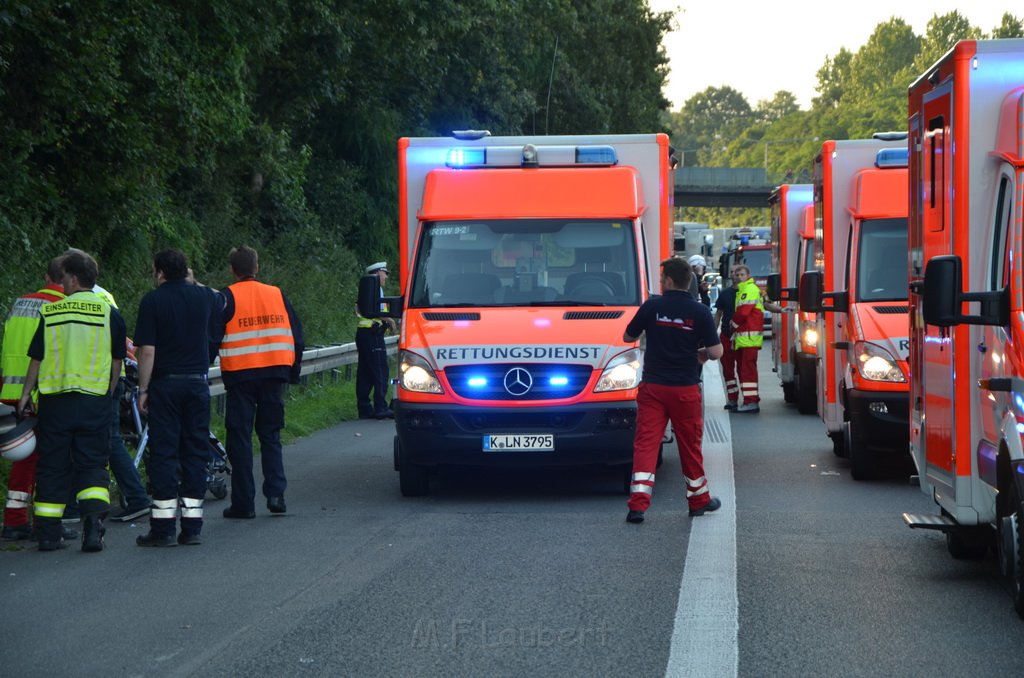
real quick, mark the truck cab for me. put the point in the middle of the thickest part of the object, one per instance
(859, 292)
(967, 301)
(787, 203)
(522, 259)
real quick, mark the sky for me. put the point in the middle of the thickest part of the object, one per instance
(759, 47)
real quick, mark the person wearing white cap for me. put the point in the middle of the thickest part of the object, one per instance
(372, 369)
(698, 288)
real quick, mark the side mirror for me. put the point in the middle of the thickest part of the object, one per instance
(943, 284)
(372, 304)
(773, 286)
(811, 289)
(369, 297)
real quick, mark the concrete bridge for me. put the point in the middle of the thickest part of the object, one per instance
(723, 187)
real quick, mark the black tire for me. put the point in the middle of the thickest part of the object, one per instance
(413, 479)
(806, 388)
(219, 488)
(661, 456)
(838, 444)
(968, 543)
(1018, 575)
(789, 392)
(625, 473)
(862, 462)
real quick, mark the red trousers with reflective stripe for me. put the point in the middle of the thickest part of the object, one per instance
(748, 374)
(656, 405)
(729, 360)
(22, 479)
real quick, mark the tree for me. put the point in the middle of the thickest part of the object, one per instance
(708, 120)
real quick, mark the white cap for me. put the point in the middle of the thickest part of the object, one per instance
(18, 442)
(697, 260)
(379, 266)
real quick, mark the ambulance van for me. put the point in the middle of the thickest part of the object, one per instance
(521, 261)
(966, 121)
(860, 204)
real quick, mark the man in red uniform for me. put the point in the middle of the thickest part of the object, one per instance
(19, 329)
(676, 325)
(747, 326)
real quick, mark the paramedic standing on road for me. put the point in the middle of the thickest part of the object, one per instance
(747, 325)
(260, 352)
(372, 370)
(172, 336)
(76, 361)
(676, 326)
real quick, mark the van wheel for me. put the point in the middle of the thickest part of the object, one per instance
(413, 479)
(789, 392)
(838, 444)
(806, 391)
(969, 543)
(1018, 575)
(862, 462)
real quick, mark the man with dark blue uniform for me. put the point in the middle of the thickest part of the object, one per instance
(677, 326)
(372, 369)
(172, 337)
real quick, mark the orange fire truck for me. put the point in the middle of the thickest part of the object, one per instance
(966, 120)
(860, 203)
(788, 244)
(521, 260)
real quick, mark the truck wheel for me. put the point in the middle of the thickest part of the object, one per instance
(862, 462)
(969, 543)
(626, 476)
(413, 479)
(1018, 575)
(838, 444)
(806, 390)
(789, 392)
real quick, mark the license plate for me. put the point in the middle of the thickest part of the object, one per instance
(520, 443)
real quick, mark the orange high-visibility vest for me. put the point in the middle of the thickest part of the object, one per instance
(259, 333)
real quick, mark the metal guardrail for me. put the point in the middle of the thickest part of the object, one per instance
(314, 360)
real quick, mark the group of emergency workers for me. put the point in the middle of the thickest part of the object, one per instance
(61, 361)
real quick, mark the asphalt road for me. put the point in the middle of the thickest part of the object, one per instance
(521, 574)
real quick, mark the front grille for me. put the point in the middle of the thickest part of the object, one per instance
(451, 316)
(492, 422)
(529, 382)
(892, 310)
(592, 315)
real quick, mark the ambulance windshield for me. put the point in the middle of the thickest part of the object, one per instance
(526, 262)
(759, 262)
(882, 260)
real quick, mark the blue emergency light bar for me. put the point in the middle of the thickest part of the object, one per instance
(531, 155)
(891, 157)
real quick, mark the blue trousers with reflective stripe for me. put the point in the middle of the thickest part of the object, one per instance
(179, 435)
(73, 444)
(258, 402)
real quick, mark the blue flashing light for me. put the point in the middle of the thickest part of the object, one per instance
(559, 381)
(744, 239)
(466, 157)
(477, 382)
(596, 155)
(891, 157)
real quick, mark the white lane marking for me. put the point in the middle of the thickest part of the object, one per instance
(706, 628)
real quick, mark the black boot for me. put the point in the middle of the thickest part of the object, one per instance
(92, 533)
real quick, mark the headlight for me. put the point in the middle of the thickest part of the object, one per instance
(416, 374)
(809, 335)
(622, 372)
(875, 363)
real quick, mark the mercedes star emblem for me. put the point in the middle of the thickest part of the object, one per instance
(518, 381)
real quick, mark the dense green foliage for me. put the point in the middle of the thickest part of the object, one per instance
(130, 126)
(859, 93)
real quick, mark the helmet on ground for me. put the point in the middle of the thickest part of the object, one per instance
(697, 260)
(18, 442)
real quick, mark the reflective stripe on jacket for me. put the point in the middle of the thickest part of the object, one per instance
(748, 316)
(77, 354)
(259, 333)
(19, 329)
